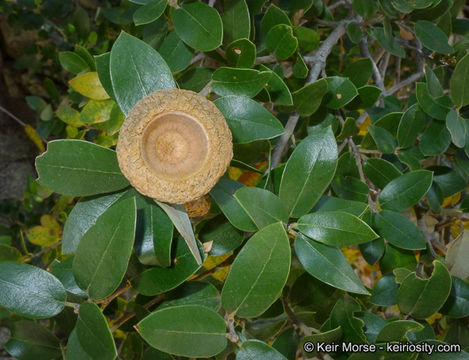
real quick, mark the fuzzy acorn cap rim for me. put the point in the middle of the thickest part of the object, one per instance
(174, 146)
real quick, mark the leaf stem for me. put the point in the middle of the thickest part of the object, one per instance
(23, 243)
(72, 305)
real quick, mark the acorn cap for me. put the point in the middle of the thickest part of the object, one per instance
(198, 207)
(174, 146)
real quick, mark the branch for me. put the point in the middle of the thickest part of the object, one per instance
(366, 53)
(428, 237)
(317, 59)
(123, 320)
(200, 55)
(268, 59)
(384, 65)
(305, 330)
(282, 143)
(14, 117)
(117, 293)
(43, 251)
(403, 83)
(338, 3)
(342, 146)
(325, 22)
(206, 90)
(358, 161)
(232, 335)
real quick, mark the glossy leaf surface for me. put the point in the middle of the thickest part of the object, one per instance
(185, 330)
(79, 168)
(104, 251)
(258, 273)
(316, 258)
(308, 172)
(30, 291)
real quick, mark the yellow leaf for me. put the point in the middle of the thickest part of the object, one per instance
(451, 200)
(249, 178)
(68, 114)
(106, 140)
(88, 85)
(364, 126)
(119, 334)
(34, 137)
(61, 204)
(351, 254)
(213, 261)
(46, 234)
(71, 132)
(96, 111)
(433, 318)
(234, 173)
(456, 228)
(221, 273)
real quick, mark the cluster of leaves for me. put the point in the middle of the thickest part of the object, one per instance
(353, 233)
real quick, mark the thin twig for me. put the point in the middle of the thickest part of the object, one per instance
(325, 22)
(366, 53)
(428, 237)
(14, 117)
(268, 59)
(232, 335)
(384, 65)
(378, 54)
(372, 152)
(220, 51)
(398, 69)
(43, 251)
(282, 143)
(336, 4)
(118, 292)
(206, 90)
(174, 4)
(199, 56)
(358, 161)
(361, 119)
(149, 304)
(305, 330)
(342, 146)
(211, 3)
(403, 83)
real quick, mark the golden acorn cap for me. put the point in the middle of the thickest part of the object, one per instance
(174, 146)
(198, 207)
